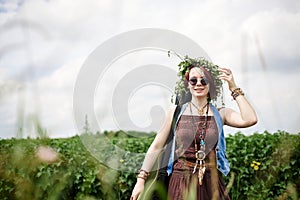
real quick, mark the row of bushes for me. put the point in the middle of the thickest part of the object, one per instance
(102, 166)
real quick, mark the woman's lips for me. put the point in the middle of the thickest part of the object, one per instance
(199, 89)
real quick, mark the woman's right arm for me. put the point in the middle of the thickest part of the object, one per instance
(153, 152)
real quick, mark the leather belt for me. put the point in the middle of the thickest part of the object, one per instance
(192, 164)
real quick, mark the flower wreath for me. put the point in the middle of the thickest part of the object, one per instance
(181, 90)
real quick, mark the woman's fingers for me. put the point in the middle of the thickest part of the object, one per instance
(133, 197)
(226, 71)
(227, 76)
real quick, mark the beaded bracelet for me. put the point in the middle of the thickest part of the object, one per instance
(143, 174)
(237, 92)
(143, 171)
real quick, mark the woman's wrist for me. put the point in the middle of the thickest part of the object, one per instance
(142, 174)
(140, 181)
(232, 87)
(236, 92)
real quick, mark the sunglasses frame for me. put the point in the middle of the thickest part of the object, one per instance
(193, 81)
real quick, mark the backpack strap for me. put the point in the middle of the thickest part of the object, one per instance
(169, 142)
(173, 128)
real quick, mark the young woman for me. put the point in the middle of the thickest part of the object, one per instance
(198, 151)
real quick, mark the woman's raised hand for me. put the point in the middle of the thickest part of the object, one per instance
(228, 77)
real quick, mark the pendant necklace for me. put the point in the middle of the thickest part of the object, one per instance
(200, 110)
(200, 153)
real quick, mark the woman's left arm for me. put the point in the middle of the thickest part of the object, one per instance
(247, 116)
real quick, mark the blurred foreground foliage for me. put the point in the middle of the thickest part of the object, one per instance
(101, 166)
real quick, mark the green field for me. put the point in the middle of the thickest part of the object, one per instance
(263, 166)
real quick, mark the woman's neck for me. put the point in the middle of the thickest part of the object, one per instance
(200, 102)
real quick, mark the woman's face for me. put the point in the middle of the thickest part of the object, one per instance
(199, 89)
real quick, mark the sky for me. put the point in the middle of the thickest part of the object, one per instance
(45, 46)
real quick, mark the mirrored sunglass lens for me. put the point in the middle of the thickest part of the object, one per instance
(203, 82)
(193, 81)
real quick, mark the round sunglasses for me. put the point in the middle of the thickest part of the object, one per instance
(193, 81)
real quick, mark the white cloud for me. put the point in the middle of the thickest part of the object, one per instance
(56, 93)
(277, 32)
(139, 99)
(54, 36)
(48, 98)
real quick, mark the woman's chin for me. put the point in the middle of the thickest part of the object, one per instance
(199, 95)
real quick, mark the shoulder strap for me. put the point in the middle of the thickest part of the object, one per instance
(175, 116)
(171, 152)
(169, 141)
